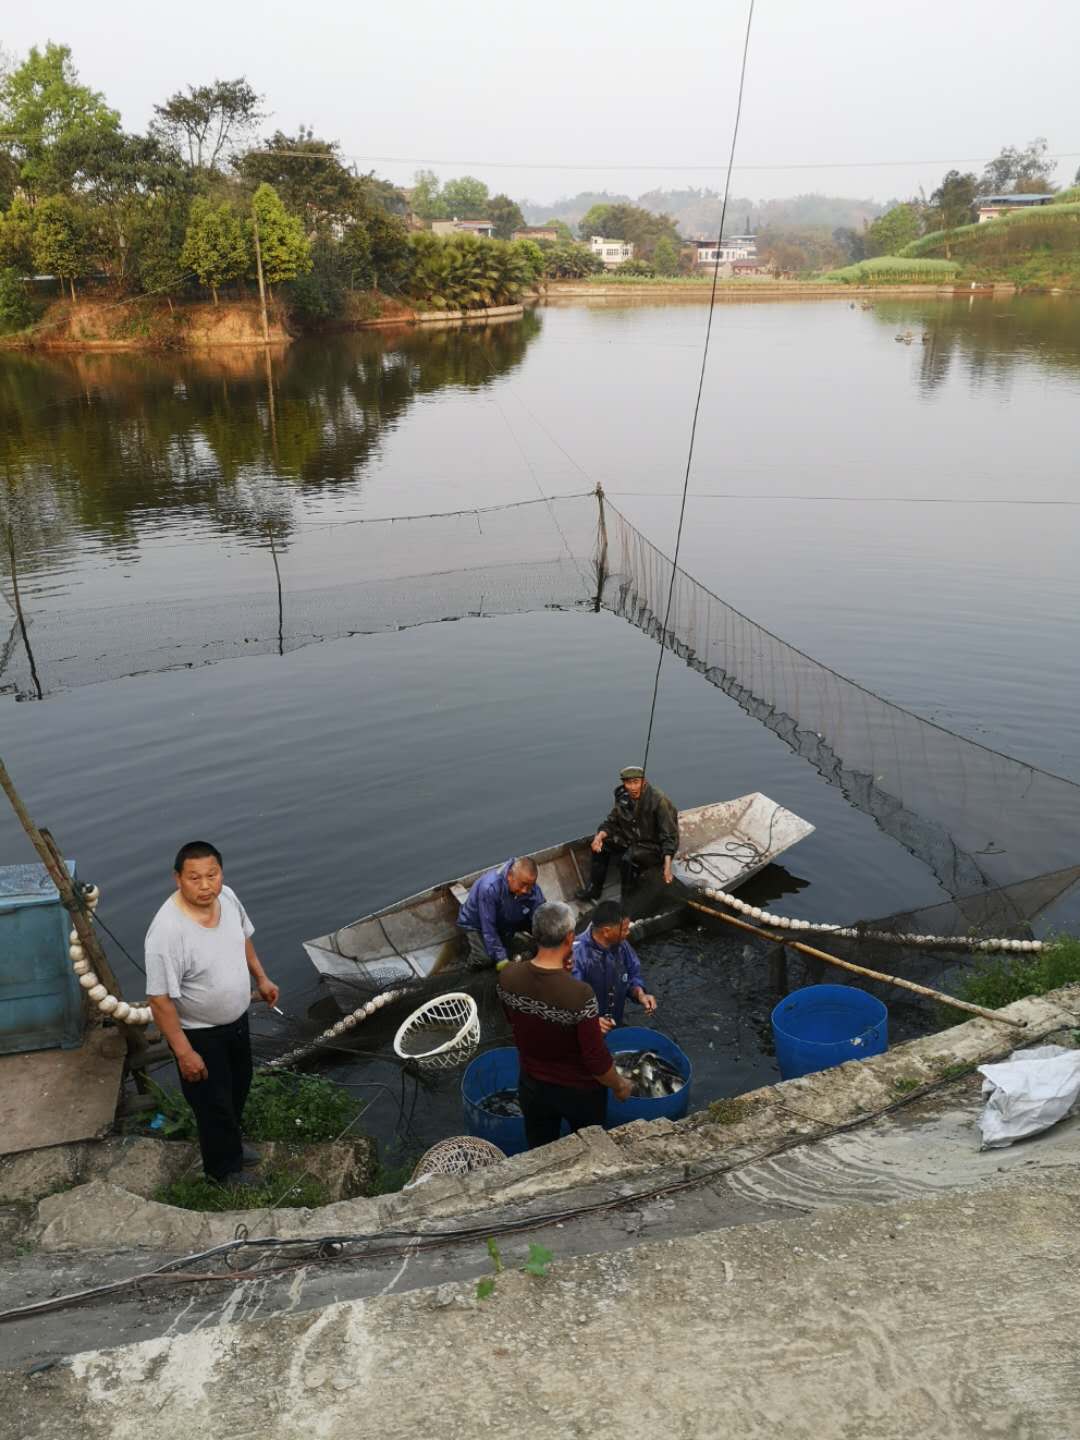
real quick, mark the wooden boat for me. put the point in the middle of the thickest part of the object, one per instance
(723, 844)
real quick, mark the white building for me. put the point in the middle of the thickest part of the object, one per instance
(991, 206)
(611, 252)
(728, 251)
(465, 227)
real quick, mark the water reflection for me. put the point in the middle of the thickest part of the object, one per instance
(988, 337)
(110, 443)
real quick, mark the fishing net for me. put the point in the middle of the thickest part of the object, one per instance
(978, 818)
(317, 582)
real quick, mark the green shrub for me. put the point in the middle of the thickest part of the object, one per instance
(300, 1108)
(465, 272)
(1002, 981)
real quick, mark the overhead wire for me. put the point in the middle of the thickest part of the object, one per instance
(700, 388)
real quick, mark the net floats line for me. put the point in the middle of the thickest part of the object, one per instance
(888, 937)
(817, 954)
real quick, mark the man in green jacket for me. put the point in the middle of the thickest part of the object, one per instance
(641, 832)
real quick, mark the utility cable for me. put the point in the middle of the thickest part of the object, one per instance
(700, 388)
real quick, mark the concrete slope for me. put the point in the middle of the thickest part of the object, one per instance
(947, 1317)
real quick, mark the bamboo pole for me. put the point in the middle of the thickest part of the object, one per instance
(19, 610)
(817, 954)
(51, 858)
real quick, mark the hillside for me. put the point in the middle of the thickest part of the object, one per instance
(697, 212)
(1037, 247)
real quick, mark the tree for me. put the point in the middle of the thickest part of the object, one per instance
(466, 198)
(62, 242)
(505, 214)
(17, 237)
(953, 202)
(666, 256)
(892, 231)
(157, 231)
(618, 221)
(43, 108)
(1013, 171)
(533, 256)
(426, 196)
(16, 312)
(565, 234)
(207, 120)
(851, 242)
(571, 262)
(117, 174)
(307, 173)
(284, 246)
(214, 245)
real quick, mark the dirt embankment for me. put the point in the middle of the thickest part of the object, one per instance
(149, 324)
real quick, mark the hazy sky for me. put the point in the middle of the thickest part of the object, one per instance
(626, 95)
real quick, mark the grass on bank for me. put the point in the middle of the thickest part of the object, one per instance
(893, 270)
(281, 1188)
(300, 1108)
(1002, 981)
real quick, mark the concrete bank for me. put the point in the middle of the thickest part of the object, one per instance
(952, 1316)
(635, 1160)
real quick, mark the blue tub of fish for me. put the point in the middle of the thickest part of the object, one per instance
(489, 1098)
(825, 1025)
(659, 1071)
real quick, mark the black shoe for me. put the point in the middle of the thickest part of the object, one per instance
(251, 1157)
(241, 1180)
(588, 893)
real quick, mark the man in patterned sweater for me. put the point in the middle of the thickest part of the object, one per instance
(566, 1069)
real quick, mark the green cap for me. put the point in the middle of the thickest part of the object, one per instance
(631, 772)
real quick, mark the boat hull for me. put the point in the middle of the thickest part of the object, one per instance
(723, 845)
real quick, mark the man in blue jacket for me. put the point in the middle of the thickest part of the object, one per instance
(604, 958)
(497, 916)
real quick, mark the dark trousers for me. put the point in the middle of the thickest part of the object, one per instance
(218, 1101)
(518, 946)
(631, 864)
(545, 1107)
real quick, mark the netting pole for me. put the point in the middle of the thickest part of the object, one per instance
(19, 609)
(602, 550)
(280, 601)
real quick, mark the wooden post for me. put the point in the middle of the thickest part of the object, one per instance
(778, 976)
(259, 272)
(823, 955)
(19, 609)
(51, 858)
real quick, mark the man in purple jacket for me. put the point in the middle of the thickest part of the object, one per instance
(605, 959)
(497, 916)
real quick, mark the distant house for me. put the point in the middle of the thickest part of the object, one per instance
(466, 227)
(536, 232)
(735, 250)
(991, 206)
(611, 252)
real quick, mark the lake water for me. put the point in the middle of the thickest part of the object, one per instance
(905, 513)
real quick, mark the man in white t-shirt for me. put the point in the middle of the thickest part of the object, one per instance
(200, 967)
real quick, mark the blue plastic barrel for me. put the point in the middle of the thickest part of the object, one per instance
(671, 1107)
(824, 1025)
(489, 1073)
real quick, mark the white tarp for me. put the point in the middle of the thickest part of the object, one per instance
(1028, 1093)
